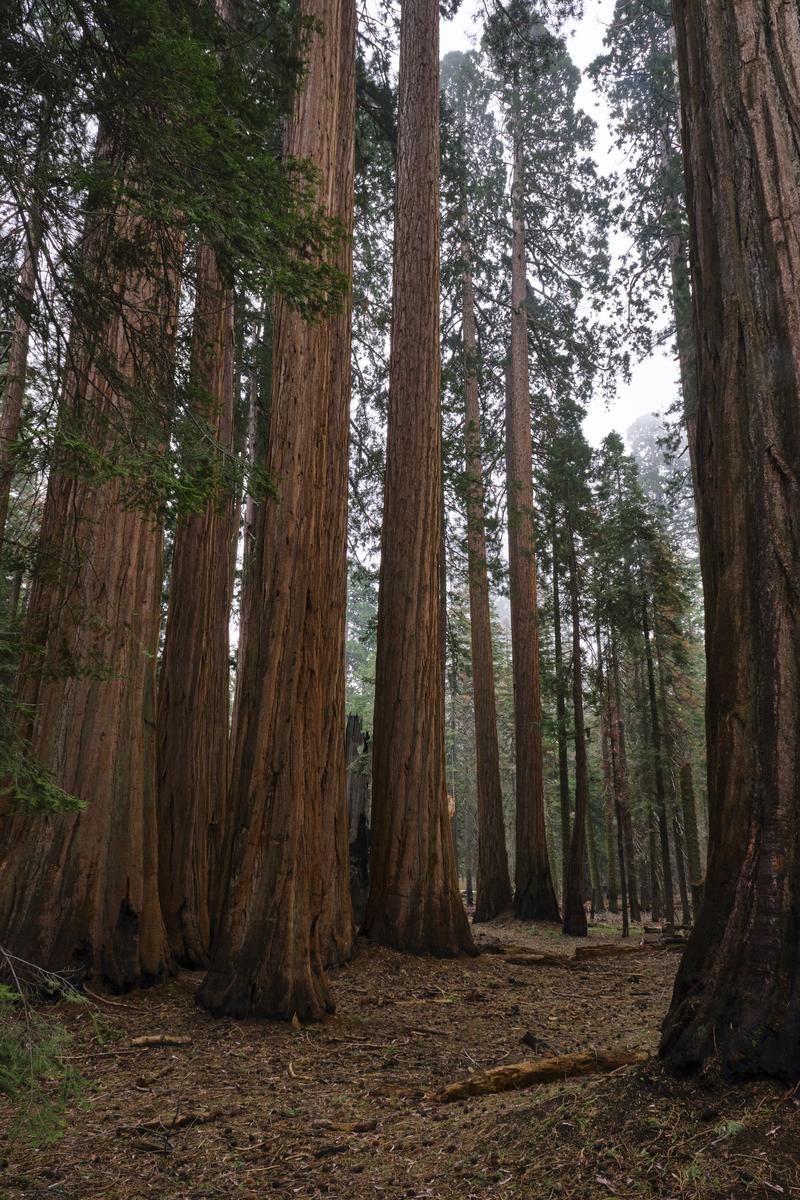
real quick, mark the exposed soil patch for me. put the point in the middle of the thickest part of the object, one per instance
(344, 1109)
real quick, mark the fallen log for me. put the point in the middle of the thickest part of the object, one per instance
(545, 1070)
(157, 1124)
(539, 960)
(160, 1039)
(619, 950)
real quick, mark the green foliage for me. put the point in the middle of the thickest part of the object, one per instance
(35, 1072)
(29, 785)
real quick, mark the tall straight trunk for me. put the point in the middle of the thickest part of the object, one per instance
(192, 721)
(620, 767)
(610, 802)
(534, 894)
(494, 883)
(658, 767)
(594, 867)
(13, 392)
(337, 929)
(574, 912)
(414, 902)
(737, 994)
(79, 892)
(270, 953)
(561, 709)
(672, 807)
(616, 782)
(689, 808)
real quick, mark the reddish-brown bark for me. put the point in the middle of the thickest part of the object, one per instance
(534, 894)
(414, 903)
(193, 686)
(269, 956)
(737, 994)
(574, 912)
(336, 929)
(80, 892)
(494, 883)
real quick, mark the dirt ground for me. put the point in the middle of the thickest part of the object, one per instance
(346, 1109)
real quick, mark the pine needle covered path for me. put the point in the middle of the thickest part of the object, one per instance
(347, 1108)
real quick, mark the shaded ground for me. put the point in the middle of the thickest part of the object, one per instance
(344, 1110)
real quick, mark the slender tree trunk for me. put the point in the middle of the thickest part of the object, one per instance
(620, 768)
(737, 994)
(672, 813)
(79, 892)
(609, 781)
(690, 826)
(270, 953)
(193, 686)
(574, 912)
(414, 902)
(534, 894)
(561, 710)
(594, 869)
(494, 883)
(658, 768)
(16, 370)
(616, 783)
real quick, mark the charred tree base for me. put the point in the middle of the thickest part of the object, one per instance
(736, 1005)
(536, 901)
(399, 924)
(491, 902)
(305, 996)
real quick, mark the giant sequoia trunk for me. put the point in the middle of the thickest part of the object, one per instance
(269, 956)
(193, 686)
(414, 903)
(737, 994)
(534, 895)
(336, 925)
(494, 884)
(574, 912)
(80, 892)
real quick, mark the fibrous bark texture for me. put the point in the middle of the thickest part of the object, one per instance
(80, 892)
(269, 956)
(193, 685)
(336, 927)
(534, 894)
(494, 883)
(414, 904)
(737, 994)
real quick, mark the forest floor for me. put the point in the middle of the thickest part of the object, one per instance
(346, 1108)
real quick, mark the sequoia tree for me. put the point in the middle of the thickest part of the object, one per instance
(494, 884)
(193, 685)
(269, 957)
(79, 891)
(534, 894)
(414, 904)
(737, 994)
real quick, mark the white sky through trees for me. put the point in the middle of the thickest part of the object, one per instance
(654, 381)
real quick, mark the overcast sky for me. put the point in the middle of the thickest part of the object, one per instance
(654, 382)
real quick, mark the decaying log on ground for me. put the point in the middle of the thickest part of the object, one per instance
(539, 960)
(617, 950)
(160, 1039)
(174, 1122)
(545, 1070)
